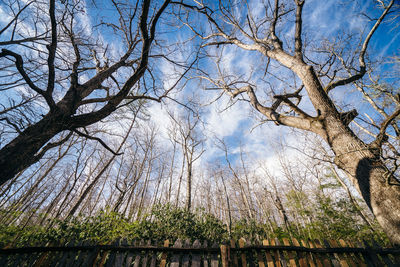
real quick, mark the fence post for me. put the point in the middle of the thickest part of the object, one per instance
(242, 242)
(164, 254)
(225, 255)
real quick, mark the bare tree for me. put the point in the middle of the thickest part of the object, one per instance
(185, 132)
(235, 24)
(59, 66)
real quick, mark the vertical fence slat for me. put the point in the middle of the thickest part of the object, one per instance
(276, 255)
(292, 257)
(91, 257)
(358, 257)
(308, 256)
(334, 256)
(326, 258)
(234, 258)
(270, 261)
(186, 256)
(316, 256)
(145, 257)
(196, 258)
(111, 256)
(224, 255)
(129, 256)
(260, 258)
(349, 256)
(340, 256)
(120, 255)
(214, 256)
(205, 255)
(365, 255)
(242, 242)
(301, 255)
(68, 255)
(153, 260)
(175, 257)
(138, 254)
(281, 254)
(164, 255)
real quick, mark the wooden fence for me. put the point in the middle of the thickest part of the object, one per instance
(282, 253)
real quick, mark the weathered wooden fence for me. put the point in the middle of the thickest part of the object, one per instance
(282, 253)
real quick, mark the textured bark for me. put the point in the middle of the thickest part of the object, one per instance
(20, 153)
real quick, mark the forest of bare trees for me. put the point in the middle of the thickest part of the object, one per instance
(112, 108)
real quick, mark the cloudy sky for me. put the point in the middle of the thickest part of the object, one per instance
(238, 124)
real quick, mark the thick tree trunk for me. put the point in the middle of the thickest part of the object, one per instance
(21, 152)
(360, 161)
(368, 174)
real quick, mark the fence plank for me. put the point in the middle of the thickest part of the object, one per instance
(119, 255)
(276, 255)
(224, 255)
(270, 261)
(145, 257)
(175, 257)
(358, 257)
(281, 254)
(365, 255)
(292, 257)
(129, 257)
(301, 255)
(234, 258)
(205, 255)
(349, 256)
(317, 257)
(326, 258)
(196, 258)
(260, 258)
(138, 254)
(112, 255)
(164, 254)
(242, 242)
(308, 256)
(186, 256)
(91, 257)
(67, 255)
(214, 256)
(340, 256)
(334, 256)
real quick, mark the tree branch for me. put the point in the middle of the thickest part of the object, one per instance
(19, 63)
(98, 140)
(52, 54)
(361, 57)
(298, 47)
(382, 132)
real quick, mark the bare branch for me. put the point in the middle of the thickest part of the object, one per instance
(297, 37)
(361, 57)
(98, 140)
(384, 125)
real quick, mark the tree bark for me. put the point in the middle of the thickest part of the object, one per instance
(20, 153)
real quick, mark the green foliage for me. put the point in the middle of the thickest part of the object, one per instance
(332, 219)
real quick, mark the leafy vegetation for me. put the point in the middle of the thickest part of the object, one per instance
(167, 222)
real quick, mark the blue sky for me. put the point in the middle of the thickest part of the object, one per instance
(238, 124)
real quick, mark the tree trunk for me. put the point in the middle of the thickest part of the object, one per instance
(21, 152)
(360, 161)
(370, 176)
